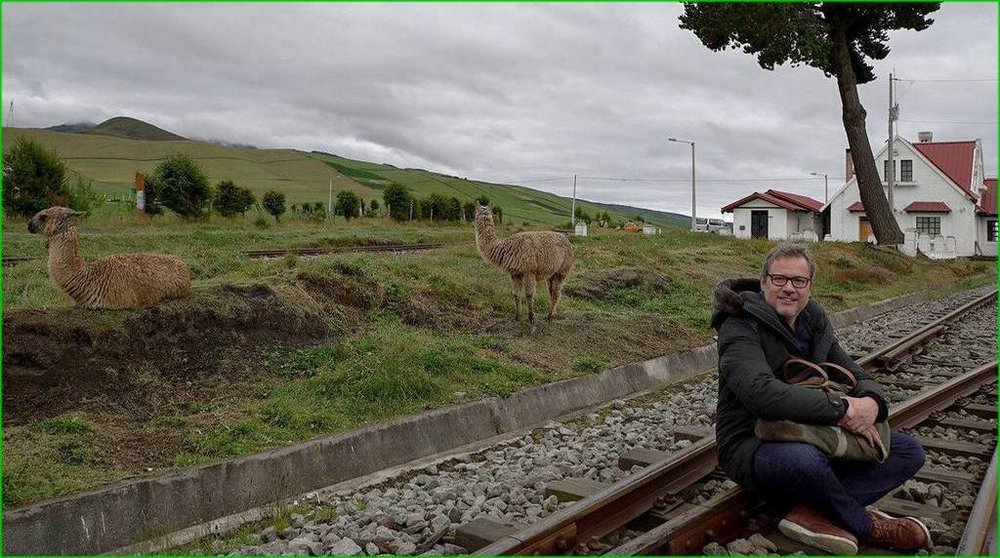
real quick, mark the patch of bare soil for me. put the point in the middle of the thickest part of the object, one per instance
(597, 284)
(137, 361)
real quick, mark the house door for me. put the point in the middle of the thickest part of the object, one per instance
(758, 224)
(864, 229)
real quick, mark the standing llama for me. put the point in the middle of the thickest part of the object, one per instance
(528, 257)
(118, 281)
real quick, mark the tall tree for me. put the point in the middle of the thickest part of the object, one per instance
(834, 37)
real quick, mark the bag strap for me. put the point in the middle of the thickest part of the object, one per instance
(806, 372)
(847, 374)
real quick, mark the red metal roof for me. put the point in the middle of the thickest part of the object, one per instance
(856, 207)
(988, 203)
(803, 201)
(954, 158)
(784, 200)
(927, 207)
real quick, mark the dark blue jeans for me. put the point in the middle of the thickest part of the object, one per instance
(790, 473)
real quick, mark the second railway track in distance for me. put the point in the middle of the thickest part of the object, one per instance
(319, 251)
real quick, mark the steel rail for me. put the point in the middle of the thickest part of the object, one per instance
(979, 536)
(616, 505)
(687, 537)
(889, 356)
(613, 507)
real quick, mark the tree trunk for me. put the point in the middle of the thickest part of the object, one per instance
(873, 197)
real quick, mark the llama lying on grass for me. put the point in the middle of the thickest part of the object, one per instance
(528, 257)
(119, 281)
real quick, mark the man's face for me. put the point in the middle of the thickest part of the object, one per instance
(786, 299)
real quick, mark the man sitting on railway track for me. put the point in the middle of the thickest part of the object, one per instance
(761, 324)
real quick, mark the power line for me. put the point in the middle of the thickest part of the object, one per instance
(945, 80)
(687, 180)
(951, 121)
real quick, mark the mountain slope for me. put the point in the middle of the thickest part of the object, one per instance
(131, 128)
(111, 161)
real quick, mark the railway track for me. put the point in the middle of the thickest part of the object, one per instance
(319, 251)
(605, 518)
(13, 260)
(463, 502)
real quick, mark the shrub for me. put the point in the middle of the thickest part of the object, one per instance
(152, 190)
(230, 199)
(397, 198)
(347, 204)
(84, 197)
(373, 208)
(261, 222)
(184, 185)
(33, 179)
(468, 211)
(274, 203)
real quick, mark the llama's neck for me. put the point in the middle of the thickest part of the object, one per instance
(486, 237)
(65, 263)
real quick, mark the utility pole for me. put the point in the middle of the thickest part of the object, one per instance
(573, 211)
(890, 174)
(694, 205)
(10, 115)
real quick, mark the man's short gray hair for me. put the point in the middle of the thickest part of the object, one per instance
(788, 250)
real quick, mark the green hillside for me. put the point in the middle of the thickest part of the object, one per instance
(111, 161)
(125, 127)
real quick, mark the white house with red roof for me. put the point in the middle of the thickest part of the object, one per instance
(942, 199)
(776, 215)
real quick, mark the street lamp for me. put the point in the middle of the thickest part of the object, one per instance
(693, 205)
(826, 189)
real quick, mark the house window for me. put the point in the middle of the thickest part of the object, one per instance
(991, 231)
(906, 170)
(929, 225)
(885, 170)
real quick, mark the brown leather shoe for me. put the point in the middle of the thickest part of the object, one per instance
(905, 533)
(808, 526)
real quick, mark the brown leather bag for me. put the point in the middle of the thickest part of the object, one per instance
(832, 440)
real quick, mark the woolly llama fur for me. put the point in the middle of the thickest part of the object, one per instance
(528, 257)
(119, 281)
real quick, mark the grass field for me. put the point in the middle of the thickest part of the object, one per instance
(111, 162)
(405, 333)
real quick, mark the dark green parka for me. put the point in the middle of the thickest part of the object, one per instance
(753, 344)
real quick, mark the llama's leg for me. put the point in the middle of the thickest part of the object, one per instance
(529, 296)
(555, 291)
(515, 287)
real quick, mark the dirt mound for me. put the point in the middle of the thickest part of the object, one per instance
(597, 284)
(53, 359)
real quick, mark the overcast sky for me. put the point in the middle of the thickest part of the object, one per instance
(515, 93)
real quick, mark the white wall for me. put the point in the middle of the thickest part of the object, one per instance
(928, 185)
(988, 248)
(781, 223)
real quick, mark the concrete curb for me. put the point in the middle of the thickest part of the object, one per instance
(141, 509)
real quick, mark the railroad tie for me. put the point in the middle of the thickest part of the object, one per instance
(482, 532)
(571, 489)
(944, 476)
(985, 411)
(967, 424)
(955, 447)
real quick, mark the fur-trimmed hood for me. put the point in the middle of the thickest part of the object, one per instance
(727, 299)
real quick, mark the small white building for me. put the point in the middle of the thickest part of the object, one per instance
(942, 200)
(776, 215)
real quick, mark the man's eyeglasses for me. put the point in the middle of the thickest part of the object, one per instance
(781, 281)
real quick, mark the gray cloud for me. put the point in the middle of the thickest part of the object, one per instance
(498, 92)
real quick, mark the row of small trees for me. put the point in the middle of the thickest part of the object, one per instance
(35, 178)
